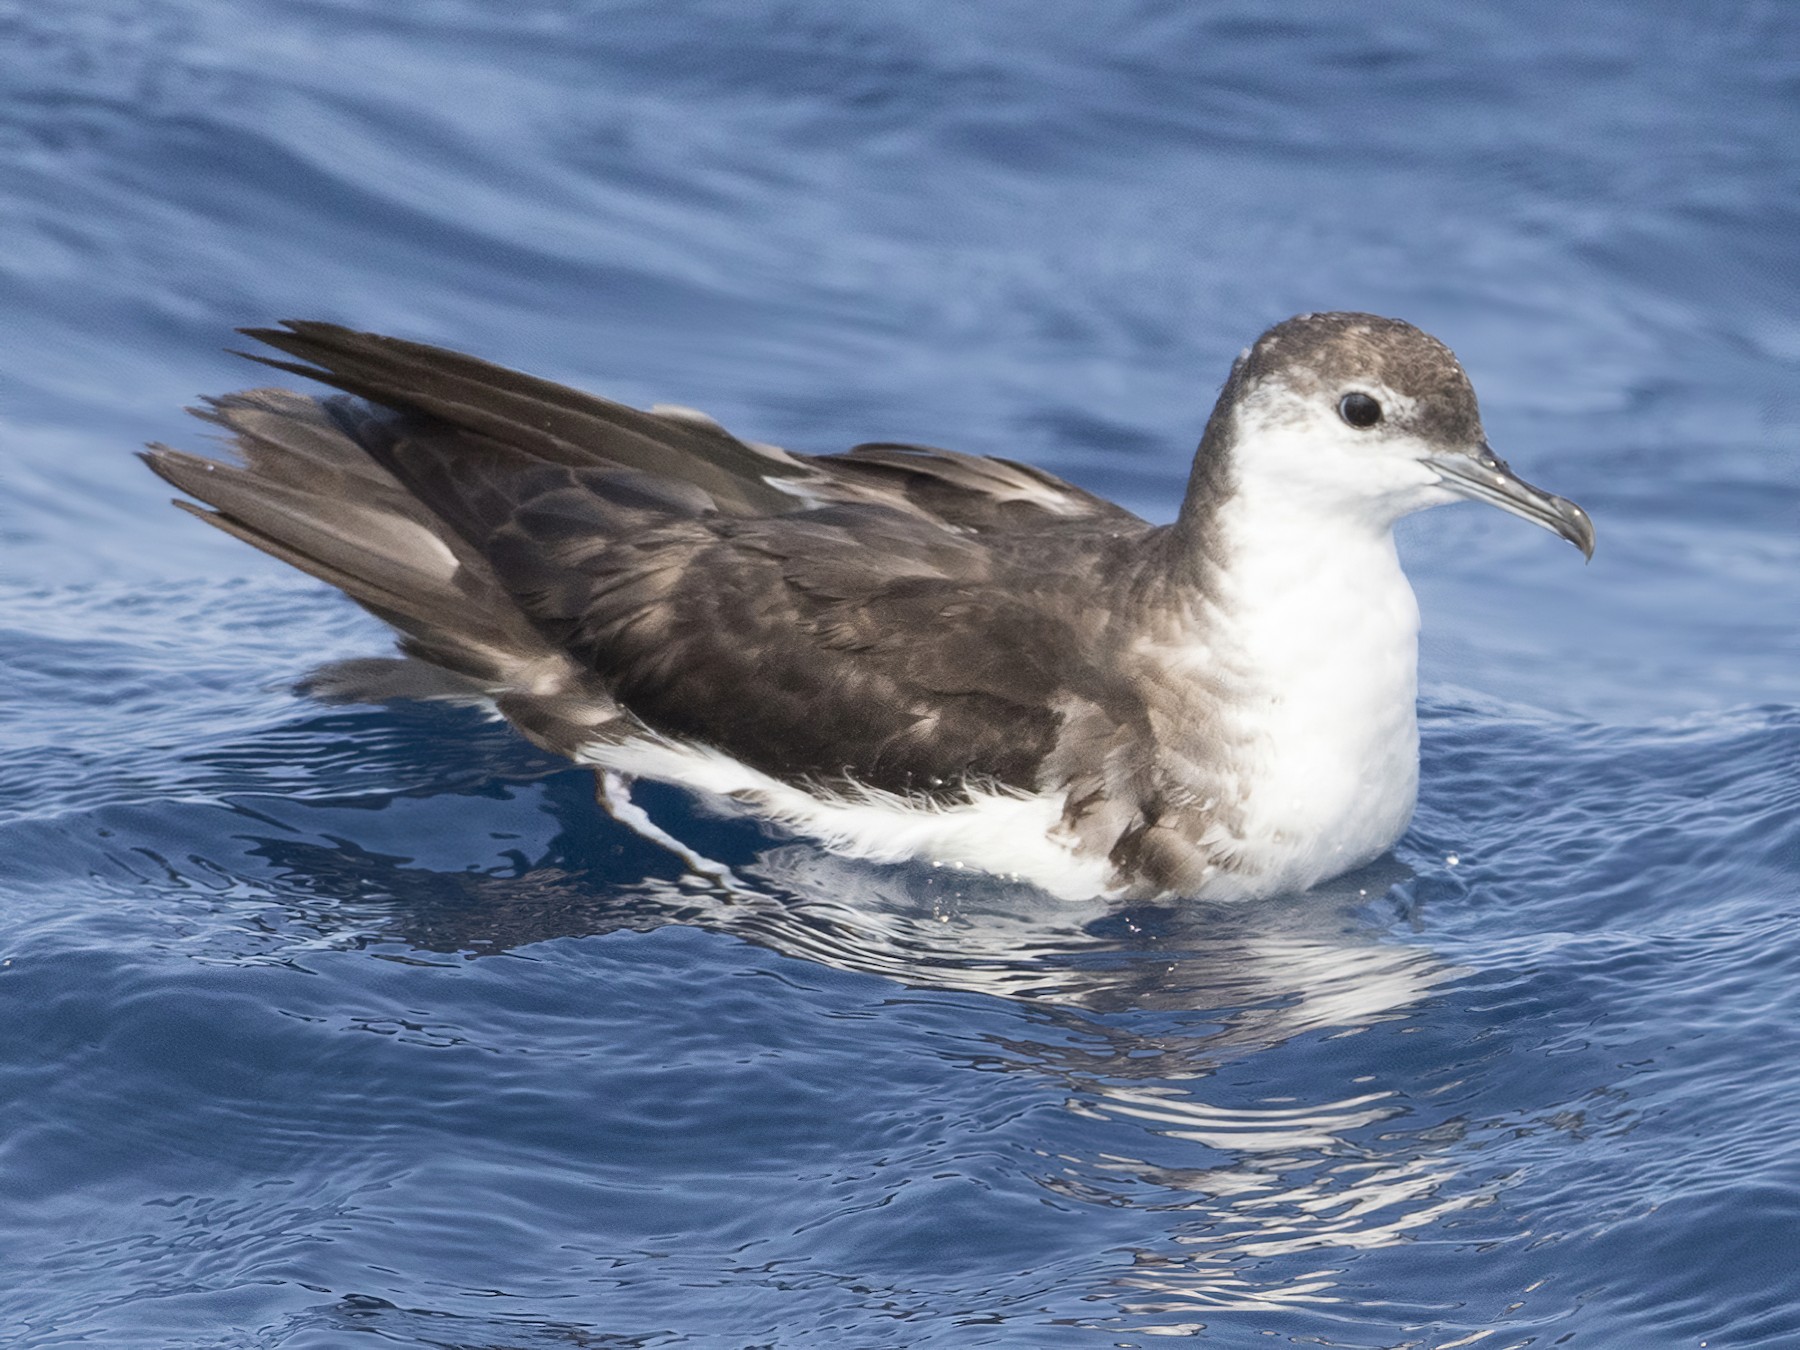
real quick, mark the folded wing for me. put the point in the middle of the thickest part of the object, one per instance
(882, 616)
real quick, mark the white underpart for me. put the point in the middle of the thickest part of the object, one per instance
(1318, 628)
(1006, 834)
(1325, 638)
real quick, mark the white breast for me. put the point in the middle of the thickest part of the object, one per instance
(1318, 628)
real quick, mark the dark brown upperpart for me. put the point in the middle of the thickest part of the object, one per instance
(911, 619)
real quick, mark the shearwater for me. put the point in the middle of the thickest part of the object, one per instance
(899, 650)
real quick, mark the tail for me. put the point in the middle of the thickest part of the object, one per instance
(401, 503)
(305, 490)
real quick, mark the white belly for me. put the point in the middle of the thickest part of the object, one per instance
(1008, 834)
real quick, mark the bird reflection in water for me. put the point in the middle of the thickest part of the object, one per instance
(1132, 1015)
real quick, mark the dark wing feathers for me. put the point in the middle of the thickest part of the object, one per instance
(887, 615)
(548, 421)
(308, 494)
(915, 683)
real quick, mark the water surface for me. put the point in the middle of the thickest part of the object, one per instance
(319, 1024)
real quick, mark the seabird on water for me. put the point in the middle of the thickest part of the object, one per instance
(899, 650)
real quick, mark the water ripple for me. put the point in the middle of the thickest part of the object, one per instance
(323, 1024)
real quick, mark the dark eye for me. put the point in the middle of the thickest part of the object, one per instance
(1359, 409)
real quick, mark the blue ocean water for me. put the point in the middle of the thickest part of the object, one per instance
(322, 1024)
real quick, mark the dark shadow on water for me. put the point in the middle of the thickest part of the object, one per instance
(1133, 1015)
(1265, 971)
(364, 1315)
(1150, 1024)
